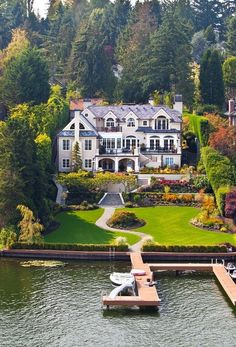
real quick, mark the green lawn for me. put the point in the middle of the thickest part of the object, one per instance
(79, 227)
(169, 225)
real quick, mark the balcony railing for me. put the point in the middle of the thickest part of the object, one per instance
(153, 150)
(114, 151)
(110, 129)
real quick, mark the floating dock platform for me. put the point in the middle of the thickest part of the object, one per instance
(148, 296)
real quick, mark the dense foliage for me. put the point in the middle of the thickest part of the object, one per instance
(122, 51)
(219, 170)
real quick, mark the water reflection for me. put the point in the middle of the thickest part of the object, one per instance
(61, 307)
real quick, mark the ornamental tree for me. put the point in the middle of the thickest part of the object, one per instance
(30, 228)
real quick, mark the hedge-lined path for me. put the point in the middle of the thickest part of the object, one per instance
(102, 223)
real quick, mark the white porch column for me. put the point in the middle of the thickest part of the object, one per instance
(96, 164)
(136, 164)
(116, 164)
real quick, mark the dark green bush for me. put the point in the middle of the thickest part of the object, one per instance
(220, 173)
(70, 246)
(155, 247)
(76, 197)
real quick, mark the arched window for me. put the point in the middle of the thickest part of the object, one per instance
(110, 123)
(81, 126)
(131, 122)
(161, 123)
(72, 126)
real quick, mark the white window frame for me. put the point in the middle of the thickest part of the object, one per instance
(162, 123)
(130, 122)
(88, 163)
(145, 123)
(110, 122)
(169, 161)
(66, 163)
(66, 145)
(88, 145)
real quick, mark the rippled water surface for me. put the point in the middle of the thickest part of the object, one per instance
(61, 307)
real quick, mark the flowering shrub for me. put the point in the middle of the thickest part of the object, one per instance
(175, 186)
(124, 219)
(153, 199)
(168, 170)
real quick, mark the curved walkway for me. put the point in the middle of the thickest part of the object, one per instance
(102, 223)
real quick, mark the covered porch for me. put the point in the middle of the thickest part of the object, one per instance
(117, 164)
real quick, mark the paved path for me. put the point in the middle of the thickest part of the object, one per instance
(102, 223)
(61, 190)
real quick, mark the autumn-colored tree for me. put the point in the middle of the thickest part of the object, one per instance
(224, 141)
(30, 228)
(216, 122)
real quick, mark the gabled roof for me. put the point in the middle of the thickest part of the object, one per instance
(141, 111)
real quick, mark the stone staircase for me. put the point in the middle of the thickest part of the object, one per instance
(111, 199)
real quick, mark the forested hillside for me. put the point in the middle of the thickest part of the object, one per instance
(125, 52)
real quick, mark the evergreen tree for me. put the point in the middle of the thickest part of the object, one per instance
(170, 59)
(229, 72)
(132, 54)
(91, 65)
(210, 35)
(208, 12)
(231, 36)
(211, 79)
(76, 158)
(25, 79)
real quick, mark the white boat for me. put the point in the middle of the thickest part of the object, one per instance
(119, 278)
(233, 275)
(230, 267)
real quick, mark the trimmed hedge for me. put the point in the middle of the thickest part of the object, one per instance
(70, 246)
(220, 173)
(155, 247)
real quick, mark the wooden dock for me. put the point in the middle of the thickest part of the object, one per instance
(226, 282)
(146, 296)
(218, 269)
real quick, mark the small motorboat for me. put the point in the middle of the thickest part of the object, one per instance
(230, 267)
(233, 275)
(119, 278)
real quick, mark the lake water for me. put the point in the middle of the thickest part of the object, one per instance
(61, 307)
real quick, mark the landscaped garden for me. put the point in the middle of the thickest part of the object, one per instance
(79, 227)
(170, 225)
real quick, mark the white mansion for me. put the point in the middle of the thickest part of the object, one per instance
(117, 138)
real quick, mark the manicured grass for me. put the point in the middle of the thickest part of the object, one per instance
(79, 227)
(169, 225)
